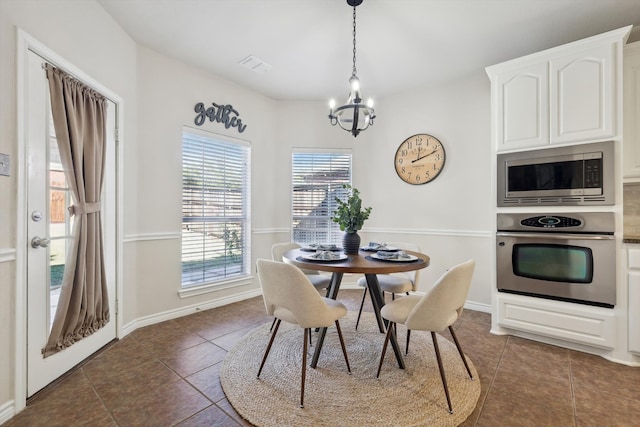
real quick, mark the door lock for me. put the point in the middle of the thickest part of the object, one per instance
(42, 242)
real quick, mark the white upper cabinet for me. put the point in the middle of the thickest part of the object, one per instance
(582, 92)
(523, 106)
(563, 95)
(631, 95)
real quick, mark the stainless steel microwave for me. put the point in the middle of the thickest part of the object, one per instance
(571, 175)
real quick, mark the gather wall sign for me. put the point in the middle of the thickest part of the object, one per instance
(219, 113)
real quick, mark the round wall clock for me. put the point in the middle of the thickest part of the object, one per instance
(419, 159)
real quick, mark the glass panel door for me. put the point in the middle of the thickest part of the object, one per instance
(60, 223)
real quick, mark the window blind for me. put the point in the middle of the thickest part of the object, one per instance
(215, 209)
(317, 178)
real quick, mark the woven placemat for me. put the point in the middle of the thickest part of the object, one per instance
(410, 397)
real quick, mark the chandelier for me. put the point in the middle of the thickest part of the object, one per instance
(354, 116)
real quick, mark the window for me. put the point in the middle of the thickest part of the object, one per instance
(215, 209)
(317, 178)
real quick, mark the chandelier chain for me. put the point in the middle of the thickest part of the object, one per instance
(354, 72)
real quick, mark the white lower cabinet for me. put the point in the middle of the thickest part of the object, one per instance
(634, 300)
(594, 326)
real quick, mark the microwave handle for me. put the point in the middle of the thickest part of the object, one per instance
(554, 236)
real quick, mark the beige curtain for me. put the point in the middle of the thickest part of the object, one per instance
(79, 115)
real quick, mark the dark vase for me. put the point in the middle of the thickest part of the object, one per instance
(351, 243)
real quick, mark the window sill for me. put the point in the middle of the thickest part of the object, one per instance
(214, 287)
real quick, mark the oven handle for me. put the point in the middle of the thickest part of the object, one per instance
(554, 236)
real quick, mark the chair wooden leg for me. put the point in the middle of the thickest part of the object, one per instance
(444, 379)
(384, 347)
(408, 338)
(464, 359)
(304, 366)
(266, 352)
(272, 324)
(364, 294)
(344, 349)
(310, 343)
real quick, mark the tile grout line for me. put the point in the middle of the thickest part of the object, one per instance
(573, 392)
(493, 378)
(104, 404)
(184, 378)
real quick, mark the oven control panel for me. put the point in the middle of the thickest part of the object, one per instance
(550, 221)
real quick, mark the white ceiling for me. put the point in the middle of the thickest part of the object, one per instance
(401, 44)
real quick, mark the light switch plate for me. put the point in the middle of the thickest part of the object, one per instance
(4, 164)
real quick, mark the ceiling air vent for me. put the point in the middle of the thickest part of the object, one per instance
(255, 64)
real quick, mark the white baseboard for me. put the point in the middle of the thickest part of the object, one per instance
(185, 311)
(476, 306)
(7, 411)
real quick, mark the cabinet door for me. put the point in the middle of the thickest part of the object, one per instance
(582, 95)
(631, 95)
(634, 311)
(522, 100)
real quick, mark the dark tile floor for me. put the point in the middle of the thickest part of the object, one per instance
(167, 374)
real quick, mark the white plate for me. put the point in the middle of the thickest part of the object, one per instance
(341, 257)
(376, 249)
(411, 258)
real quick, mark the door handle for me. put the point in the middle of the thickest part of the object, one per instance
(42, 242)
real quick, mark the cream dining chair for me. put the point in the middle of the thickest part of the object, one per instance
(438, 309)
(288, 295)
(319, 281)
(395, 283)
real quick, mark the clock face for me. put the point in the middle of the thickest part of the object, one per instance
(419, 159)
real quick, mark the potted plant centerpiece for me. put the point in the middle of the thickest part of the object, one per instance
(350, 216)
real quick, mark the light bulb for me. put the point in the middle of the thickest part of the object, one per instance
(370, 103)
(332, 103)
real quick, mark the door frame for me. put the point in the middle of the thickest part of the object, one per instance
(27, 43)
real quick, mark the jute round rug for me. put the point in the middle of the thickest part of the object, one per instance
(410, 397)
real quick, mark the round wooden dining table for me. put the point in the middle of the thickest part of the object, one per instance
(361, 263)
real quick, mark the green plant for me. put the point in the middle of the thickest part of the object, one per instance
(350, 215)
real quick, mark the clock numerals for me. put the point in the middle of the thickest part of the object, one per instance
(419, 159)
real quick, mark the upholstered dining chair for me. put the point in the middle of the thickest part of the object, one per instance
(319, 281)
(438, 309)
(289, 295)
(395, 283)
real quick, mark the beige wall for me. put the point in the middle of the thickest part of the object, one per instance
(167, 93)
(159, 94)
(450, 217)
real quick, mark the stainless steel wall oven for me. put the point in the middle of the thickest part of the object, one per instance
(567, 257)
